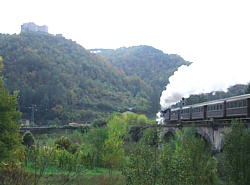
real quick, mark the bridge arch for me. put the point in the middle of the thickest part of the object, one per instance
(205, 135)
(167, 134)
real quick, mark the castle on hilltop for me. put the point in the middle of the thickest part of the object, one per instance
(34, 28)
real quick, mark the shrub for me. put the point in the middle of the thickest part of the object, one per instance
(28, 139)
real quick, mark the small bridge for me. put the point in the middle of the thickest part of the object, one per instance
(43, 130)
(212, 132)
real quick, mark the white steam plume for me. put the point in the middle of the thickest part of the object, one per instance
(205, 77)
(218, 48)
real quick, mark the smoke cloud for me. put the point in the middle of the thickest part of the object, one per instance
(205, 77)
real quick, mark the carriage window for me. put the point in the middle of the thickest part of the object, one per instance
(228, 105)
(235, 104)
(240, 103)
(244, 103)
(221, 107)
(231, 105)
(217, 107)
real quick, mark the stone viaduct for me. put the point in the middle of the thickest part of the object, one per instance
(212, 132)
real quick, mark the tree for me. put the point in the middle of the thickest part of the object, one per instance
(28, 139)
(97, 138)
(236, 152)
(247, 91)
(113, 151)
(150, 137)
(188, 159)
(9, 121)
(144, 166)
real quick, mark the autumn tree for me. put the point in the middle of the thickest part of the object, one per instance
(9, 121)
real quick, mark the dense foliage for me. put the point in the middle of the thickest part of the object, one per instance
(184, 160)
(66, 82)
(149, 64)
(237, 154)
(9, 122)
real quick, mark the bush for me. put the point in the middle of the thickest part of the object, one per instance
(28, 139)
(64, 143)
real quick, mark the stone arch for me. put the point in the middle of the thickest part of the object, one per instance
(205, 136)
(167, 134)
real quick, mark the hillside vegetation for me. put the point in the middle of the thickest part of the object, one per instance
(150, 64)
(69, 83)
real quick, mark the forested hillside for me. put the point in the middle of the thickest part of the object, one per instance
(150, 64)
(65, 81)
(68, 83)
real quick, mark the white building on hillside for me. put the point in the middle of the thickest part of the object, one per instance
(34, 28)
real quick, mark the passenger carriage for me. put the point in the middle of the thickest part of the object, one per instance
(198, 112)
(238, 106)
(216, 109)
(185, 113)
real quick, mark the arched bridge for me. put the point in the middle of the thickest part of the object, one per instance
(212, 132)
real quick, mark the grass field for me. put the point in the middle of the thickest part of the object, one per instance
(56, 176)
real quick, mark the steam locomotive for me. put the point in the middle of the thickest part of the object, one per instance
(228, 108)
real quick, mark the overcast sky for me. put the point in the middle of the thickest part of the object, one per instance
(194, 29)
(213, 34)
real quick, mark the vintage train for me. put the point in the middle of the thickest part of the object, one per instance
(228, 108)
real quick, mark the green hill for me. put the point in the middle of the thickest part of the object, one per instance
(69, 83)
(150, 64)
(65, 81)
